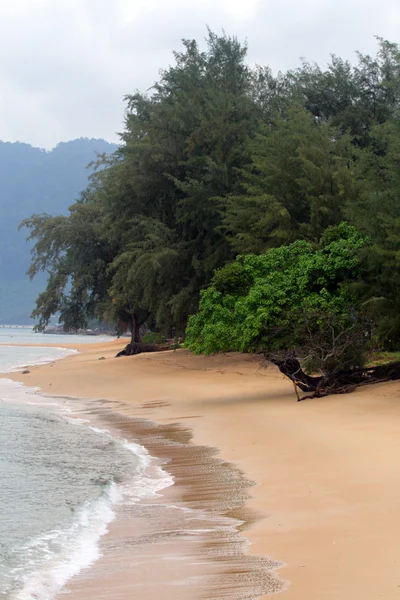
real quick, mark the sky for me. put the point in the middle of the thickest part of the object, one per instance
(67, 64)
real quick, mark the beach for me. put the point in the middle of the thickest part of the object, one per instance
(321, 518)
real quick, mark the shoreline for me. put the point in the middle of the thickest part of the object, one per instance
(326, 471)
(190, 533)
(209, 498)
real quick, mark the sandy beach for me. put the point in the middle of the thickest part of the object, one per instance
(325, 504)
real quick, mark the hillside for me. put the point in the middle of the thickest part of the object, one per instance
(33, 180)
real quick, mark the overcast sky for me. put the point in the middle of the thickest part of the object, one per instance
(66, 64)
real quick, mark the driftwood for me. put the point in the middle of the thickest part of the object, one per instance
(137, 348)
(341, 382)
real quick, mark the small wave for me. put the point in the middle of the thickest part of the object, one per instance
(53, 558)
(15, 358)
(68, 551)
(150, 479)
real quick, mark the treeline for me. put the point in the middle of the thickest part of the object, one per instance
(221, 160)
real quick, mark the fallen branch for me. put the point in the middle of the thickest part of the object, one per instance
(342, 382)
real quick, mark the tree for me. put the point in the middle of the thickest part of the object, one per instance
(354, 99)
(155, 203)
(293, 305)
(184, 146)
(74, 253)
(377, 212)
(300, 179)
(85, 264)
(220, 159)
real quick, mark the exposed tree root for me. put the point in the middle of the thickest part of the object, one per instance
(342, 382)
(137, 348)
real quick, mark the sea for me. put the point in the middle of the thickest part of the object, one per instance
(61, 478)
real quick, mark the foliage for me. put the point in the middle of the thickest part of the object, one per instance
(291, 298)
(298, 183)
(159, 236)
(73, 251)
(218, 160)
(152, 337)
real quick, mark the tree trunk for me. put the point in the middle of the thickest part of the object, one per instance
(136, 338)
(341, 382)
(135, 346)
(133, 349)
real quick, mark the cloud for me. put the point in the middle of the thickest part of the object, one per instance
(66, 64)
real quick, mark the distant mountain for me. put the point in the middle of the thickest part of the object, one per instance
(33, 180)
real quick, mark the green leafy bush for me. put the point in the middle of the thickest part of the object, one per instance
(290, 299)
(152, 337)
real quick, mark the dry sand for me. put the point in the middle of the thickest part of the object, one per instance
(327, 471)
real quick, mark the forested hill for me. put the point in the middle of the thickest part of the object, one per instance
(35, 180)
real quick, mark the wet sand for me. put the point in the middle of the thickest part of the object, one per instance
(326, 500)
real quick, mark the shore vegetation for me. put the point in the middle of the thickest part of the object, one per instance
(247, 211)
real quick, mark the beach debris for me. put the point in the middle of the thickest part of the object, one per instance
(341, 382)
(102, 358)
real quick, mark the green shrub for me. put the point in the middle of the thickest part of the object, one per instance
(152, 337)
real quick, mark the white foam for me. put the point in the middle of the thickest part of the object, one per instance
(79, 546)
(15, 358)
(66, 552)
(13, 391)
(150, 479)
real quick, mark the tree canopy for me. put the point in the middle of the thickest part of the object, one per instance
(273, 198)
(289, 299)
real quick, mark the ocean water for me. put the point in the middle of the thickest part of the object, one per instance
(26, 335)
(60, 481)
(15, 357)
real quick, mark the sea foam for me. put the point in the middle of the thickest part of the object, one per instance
(51, 558)
(77, 548)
